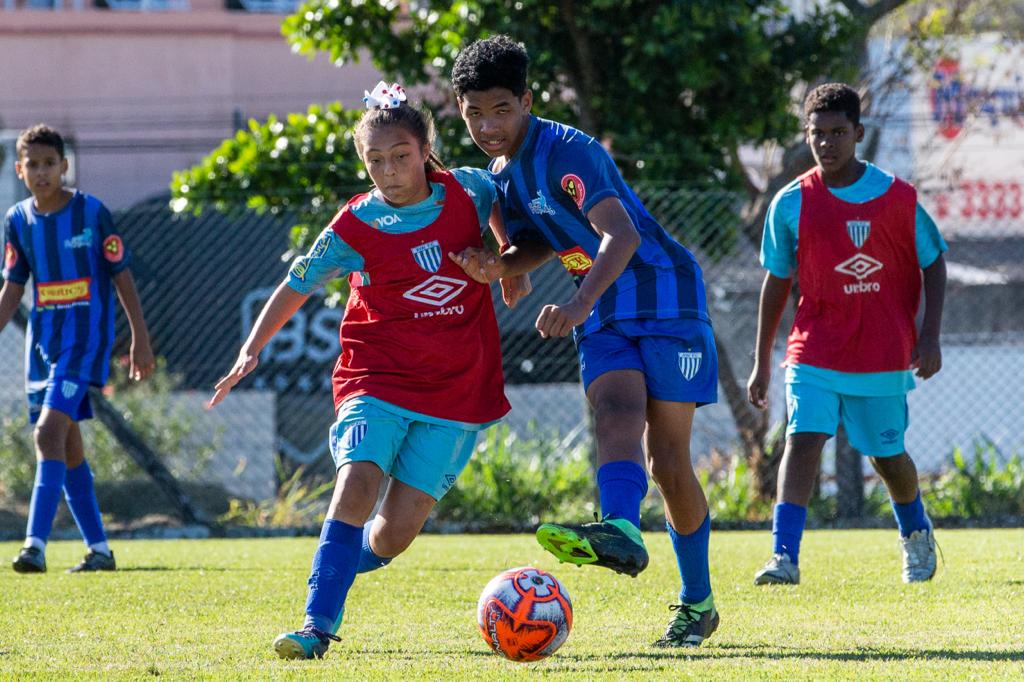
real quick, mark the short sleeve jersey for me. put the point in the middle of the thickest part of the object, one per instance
(71, 256)
(545, 191)
(778, 256)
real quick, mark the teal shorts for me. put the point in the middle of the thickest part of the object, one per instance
(424, 455)
(875, 425)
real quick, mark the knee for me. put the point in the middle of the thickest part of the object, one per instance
(889, 467)
(618, 419)
(48, 440)
(389, 540)
(670, 474)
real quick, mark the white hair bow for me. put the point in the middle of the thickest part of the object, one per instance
(384, 97)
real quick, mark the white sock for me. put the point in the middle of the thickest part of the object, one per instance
(101, 548)
(35, 542)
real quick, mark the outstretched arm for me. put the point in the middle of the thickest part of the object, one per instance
(774, 294)
(927, 355)
(10, 297)
(141, 353)
(512, 288)
(278, 309)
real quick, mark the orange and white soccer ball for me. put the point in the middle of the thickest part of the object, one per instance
(524, 614)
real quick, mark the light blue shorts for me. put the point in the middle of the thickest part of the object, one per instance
(875, 425)
(424, 455)
(677, 357)
(69, 395)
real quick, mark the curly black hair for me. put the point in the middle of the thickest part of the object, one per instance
(833, 97)
(42, 134)
(495, 62)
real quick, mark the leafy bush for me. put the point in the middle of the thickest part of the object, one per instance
(299, 503)
(511, 482)
(983, 486)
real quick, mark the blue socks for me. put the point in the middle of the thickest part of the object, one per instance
(910, 517)
(42, 509)
(622, 484)
(787, 529)
(81, 497)
(368, 560)
(692, 556)
(333, 572)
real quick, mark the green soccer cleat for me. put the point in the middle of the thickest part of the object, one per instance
(94, 561)
(691, 625)
(29, 560)
(779, 570)
(612, 543)
(309, 642)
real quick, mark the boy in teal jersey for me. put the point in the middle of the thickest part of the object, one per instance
(859, 243)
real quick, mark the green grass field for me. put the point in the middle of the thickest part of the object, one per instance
(209, 610)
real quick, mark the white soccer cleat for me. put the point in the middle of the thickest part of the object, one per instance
(780, 570)
(919, 555)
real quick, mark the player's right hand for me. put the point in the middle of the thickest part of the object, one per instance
(757, 387)
(245, 364)
(482, 265)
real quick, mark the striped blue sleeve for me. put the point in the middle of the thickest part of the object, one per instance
(16, 268)
(480, 187)
(930, 243)
(330, 257)
(779, 242)
(582, 169)
(110, 242)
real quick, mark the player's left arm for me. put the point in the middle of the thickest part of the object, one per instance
(927, 354)
(141, 354)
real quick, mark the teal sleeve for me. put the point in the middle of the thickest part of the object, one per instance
(480, 187)
(930, 244)
(327, 259)
(779, 241)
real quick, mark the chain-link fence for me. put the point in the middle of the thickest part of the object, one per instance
(203, 281)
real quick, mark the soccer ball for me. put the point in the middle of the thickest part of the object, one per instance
(524, 614)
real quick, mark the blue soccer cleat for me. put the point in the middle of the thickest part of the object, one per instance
(309, 642)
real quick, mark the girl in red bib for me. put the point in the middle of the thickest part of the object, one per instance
(420, 368)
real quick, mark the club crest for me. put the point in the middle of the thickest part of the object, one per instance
(689, 363)
(428, 256)
(354, 435)
(68, 389)
(858, 231)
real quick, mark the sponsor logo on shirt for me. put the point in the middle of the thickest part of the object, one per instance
(860, 266)
(10, 255)
(576, 261)
(79, 240)
(689, 363)
(428, 256)
(322, 244)
(63, 293)
(436, 291)
(574, 187)
(300, 269)
(858, 231)
(389, 220)
(113, 249)
(540, 206)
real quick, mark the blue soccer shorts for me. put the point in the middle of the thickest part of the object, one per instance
(875, 425)
(424, 455)
(69, 395)
(677, 357)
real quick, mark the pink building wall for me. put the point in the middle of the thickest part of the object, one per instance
(145, 93)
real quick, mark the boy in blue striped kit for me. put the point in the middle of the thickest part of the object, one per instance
(639, 318)
(65, 240)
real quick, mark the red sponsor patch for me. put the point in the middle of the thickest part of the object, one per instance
(113, 249)
(576, 261)
(574, 187)
(10, 255)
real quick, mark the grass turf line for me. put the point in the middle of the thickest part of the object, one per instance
(209, 609)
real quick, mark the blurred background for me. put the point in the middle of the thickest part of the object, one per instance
(218, 133)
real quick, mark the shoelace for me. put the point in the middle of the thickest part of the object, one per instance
(311, 631)
(678, 624)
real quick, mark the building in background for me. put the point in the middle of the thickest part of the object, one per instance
(146, 87)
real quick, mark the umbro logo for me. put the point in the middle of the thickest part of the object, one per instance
(859, 266)
(889, 436)
(436, 291)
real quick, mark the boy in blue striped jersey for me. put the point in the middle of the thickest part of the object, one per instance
(639, 319)
(65, 240)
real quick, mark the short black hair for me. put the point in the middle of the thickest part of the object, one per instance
(495, 62)
(833, 97)
(40, 133)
